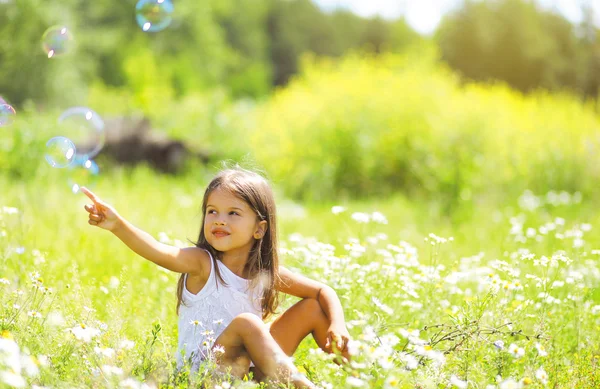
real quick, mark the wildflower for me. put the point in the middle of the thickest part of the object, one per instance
(510, 384)
(4, 281)
(34, 314)
(499, 344)
(455, 381)
(355, 248)
(111, 370)
(107, 352)
(55, 318)
(355, 382)
(411, 362)
(337, 209)
(382, 306)
(541, 350)
(218, 349)
(379, 217)
(30, 365)
(391, 382)
(126, 344)
(12, 379)
(516, 351)
(113, 282)
(218, 322)
(83, 332)
(361, 217)
(541, 375)
(10, 210)
(195, 323)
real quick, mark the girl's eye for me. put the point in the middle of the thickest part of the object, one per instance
(211, 211)
(234, 213)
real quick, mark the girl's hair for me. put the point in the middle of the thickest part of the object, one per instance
(263, 261)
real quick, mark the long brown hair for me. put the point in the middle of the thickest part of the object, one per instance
(262, 265)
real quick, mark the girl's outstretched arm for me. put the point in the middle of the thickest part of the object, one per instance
(191, 260)
(303, 287)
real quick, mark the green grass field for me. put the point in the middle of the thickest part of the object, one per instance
(498, 296)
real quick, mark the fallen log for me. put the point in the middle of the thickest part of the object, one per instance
(131, 140)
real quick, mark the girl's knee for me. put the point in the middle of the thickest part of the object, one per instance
(247, 323)
(312, 308)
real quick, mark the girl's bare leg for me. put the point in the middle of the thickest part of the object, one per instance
(303, 318)
(248, 338)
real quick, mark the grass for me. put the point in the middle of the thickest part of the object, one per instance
(425, 310)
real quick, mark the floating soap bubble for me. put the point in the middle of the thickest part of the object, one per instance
(60, 152)
(7, 114)
(57, 40)
(83, 174)
(153, 15)
(85, 128)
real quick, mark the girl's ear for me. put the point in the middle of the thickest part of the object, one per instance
(260, 229)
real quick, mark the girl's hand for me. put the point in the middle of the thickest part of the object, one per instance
(338, 334)
(101, 214)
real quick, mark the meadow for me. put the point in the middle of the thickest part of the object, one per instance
(459, 229)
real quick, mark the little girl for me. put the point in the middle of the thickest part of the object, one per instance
(230, 282)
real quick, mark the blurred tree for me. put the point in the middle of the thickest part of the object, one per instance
(513, 41)
(299, 26)
(377, 35)
(249, 71)
(589, 64)
(292, 26)
(26, 73)
(242, 45)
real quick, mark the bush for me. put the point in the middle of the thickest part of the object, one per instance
(365, 126)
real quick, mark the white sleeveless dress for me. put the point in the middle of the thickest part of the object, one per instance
(206, 314)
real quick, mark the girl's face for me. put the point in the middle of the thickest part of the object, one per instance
(230, 225)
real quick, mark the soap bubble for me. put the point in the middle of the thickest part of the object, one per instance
(153, 15)
(60, 152)
(57, 40)
(7, 114)
(83, 174)
(85, 128)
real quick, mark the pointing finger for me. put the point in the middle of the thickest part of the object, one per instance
(91, 195)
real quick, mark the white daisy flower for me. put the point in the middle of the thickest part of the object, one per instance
(83, 332)
(516, 351)
(541, 350)
(455, 381)
(337, 209)
(541, 375)
(361, 217)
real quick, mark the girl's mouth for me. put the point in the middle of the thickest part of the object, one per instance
(220, 234)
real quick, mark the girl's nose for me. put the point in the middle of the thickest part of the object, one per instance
(219, 223)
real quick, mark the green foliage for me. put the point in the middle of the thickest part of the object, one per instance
(517, 42)
(375, 125)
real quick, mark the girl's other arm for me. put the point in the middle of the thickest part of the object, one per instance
(303, 287)
(191, 260)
